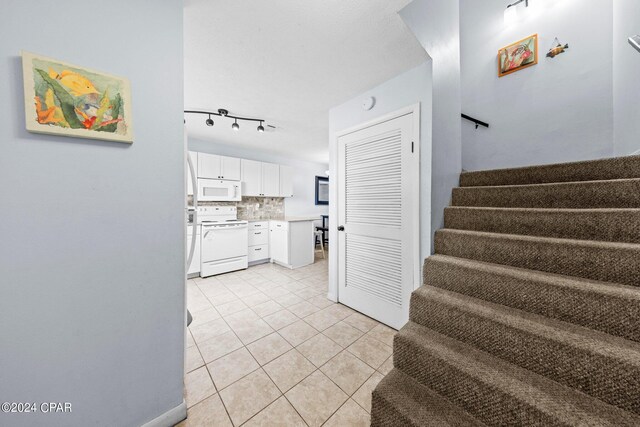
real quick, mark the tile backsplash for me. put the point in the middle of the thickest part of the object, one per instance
(250, 208)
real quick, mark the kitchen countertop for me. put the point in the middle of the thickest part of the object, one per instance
(288, 219)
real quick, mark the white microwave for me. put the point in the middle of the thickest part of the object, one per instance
(214, 190)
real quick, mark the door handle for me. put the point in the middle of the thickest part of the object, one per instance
(341, 228)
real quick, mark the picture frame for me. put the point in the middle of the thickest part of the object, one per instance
(322, 190)
(518, 56)
(71, 100)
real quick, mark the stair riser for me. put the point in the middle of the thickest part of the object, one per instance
(618, 264)
(615, 168)
(598, 311)
(491, 406)
(609, 379)
(605, 225)
(582, 195)
(385, 414)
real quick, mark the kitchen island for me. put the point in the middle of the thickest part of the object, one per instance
(291, 241)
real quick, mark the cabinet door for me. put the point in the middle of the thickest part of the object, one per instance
(251, 178)
(279, 242)
(286, 181)
(209, 166)
(270, 180)
(230, 168)
(194, 161)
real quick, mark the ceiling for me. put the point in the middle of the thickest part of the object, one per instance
(289, 62)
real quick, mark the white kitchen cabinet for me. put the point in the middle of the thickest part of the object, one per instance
(194, 267)
(270, 180)
(291, 243)
(258, 242)
(194, 162)
(286, 181)
(251, 178)
(212, 166)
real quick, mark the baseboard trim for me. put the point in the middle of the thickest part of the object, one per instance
(332, 297)
(170, 418)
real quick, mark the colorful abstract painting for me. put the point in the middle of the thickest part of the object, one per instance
(518, 56)
(65, 99)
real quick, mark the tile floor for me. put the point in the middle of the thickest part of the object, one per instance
(267, 348)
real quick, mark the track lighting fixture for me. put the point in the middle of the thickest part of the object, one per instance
(225, 113)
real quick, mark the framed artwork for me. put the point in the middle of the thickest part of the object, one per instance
(322, 190)
(518, 56)
(70, 100)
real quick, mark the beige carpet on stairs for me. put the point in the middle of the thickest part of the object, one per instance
(530, 310)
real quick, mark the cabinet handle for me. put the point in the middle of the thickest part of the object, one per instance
(260, 232)
(258, 249)
(341, 228)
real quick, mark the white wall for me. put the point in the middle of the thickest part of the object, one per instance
(559, 110)
(91, 246)
(303, 201)
(408, 88)
(626, 84)
(435, 24)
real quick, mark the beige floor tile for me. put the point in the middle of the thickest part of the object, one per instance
(370, 351)
(267, 308)
(279, 414)
(197, 386)
(275, 291)
(230, 368)
(197, 302)
(308, 293)
(297, 333)
(268, 348)
(321, 320)
(340, 311)
(387, 366)
(363, 395)
(208, 330)
(190, 341)
(350, 414)
(255, 299)
(209, 412)
(347, 371)
(248, 396)
(219, 346)
(243, 290)
(294, 286)
(204, 316)
(321, 301)
(383, 333)
(231, 307)
(289, 369)
(252, 330)
(303, 309)
(193, 360)
(362, 322)
(316, 398)
(240, 317)
(343, 333)
(319, 349)
(280, 319)
(288, 300)
(222, 298)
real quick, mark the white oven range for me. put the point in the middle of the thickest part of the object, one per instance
(225, 240)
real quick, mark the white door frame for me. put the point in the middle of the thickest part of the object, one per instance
(414, 171)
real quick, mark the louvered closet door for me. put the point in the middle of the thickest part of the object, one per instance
(375, 207)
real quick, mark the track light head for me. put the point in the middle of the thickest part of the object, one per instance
(209, 122)
(260, 128)
(235, 126)
(223, 112)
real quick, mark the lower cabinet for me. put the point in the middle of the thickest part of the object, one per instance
(291, 243)
(194, 267)
(258, 241)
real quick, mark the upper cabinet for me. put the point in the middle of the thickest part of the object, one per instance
(270, 180)
(213, 166)
(260, 179)
(286, 181)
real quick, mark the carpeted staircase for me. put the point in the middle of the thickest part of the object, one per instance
(530, 313)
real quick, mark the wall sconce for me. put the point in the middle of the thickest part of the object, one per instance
(511, 12)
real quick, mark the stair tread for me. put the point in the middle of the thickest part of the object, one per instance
(416, 404)
(557, 330)
(556, 400)
(616, 167)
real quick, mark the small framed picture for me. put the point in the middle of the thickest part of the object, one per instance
(322, 190)
(518, 56)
